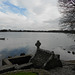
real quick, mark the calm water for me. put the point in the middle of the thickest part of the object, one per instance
(19, 42)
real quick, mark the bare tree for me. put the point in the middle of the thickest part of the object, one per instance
(67, 8)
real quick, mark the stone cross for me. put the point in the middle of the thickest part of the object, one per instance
(37, 44)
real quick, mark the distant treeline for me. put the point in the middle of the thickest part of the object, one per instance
(55, 31)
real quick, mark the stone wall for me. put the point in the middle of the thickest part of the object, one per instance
(40, 58)
(53, 63)
(16, 60)
(46, 59)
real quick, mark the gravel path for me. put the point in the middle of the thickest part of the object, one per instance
(66, 70)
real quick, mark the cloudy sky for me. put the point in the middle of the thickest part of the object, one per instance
(29, 14)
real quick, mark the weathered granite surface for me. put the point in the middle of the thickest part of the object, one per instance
(40, 58)
(46, 59)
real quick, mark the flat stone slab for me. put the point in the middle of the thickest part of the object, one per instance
(40, 58)
(24, 66)
(7, 68)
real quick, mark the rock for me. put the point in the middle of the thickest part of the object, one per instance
(73, 52)
(53, 64)
(22, 54)
(73, 68)
(9, 56)
(46, 60)
(68, 51)
(64, 49)
(40, 58)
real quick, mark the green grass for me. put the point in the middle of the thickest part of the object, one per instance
(21, 73)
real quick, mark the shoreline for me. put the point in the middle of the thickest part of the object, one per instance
(45, 31)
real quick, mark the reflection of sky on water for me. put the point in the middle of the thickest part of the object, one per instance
(16, 43)
(69, 48)
(64, 55)
(14, 52)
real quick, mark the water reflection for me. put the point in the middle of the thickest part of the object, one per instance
(17, 43)
(13, 52)
(64, 54)
(71, 48)
(71, 36)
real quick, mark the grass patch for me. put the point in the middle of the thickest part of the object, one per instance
(21, 73)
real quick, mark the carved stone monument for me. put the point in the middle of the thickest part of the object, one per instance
(38, 44)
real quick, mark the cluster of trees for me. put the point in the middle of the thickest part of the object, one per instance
(67, 8)
(53, 31)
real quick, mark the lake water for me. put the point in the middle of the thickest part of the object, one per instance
(19, 42)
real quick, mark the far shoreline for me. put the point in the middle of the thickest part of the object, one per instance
(49, 31)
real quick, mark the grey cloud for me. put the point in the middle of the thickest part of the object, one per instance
(39, 10)
(52, 21)
(40, 13)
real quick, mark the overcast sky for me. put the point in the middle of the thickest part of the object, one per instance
(29, 14)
